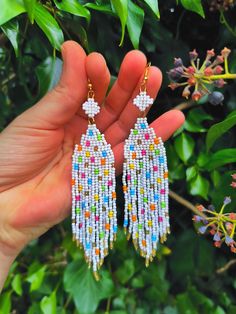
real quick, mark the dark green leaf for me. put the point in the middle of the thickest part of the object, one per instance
(30, 7)
(73, 7)
(121, 8)
(17, 284)
(185, 304)
(219, 129)
(199, 186)
(86, 292)
(125, 272)
(184, 146)
(10, 9)
(191, 173)
(48, 74)
(11, 30)
(221, 158)
(105, 8)
(153, 5)
(5, 303)
(49, 26)
(49, 304)
(195, 6)
(135, 23)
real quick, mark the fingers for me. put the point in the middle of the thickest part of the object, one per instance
(119, 130)
(59, 105)
(131, 70)
(164, 127)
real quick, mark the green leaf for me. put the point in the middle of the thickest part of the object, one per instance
(153, 5)
(195, 6)
(125, 272)
(49, 304)
(221, 158)
(135, 23)
(48, 74)
(30, 7)
(17, 284)
(185, 304)
(121, 8)
(184, 146)
(5, 303)
(11, 30)
(219, 129)
(10, 9)
(199, 186)
(73, 7)
(36, 278)
(105, 8)
(191, 173)
(49, 26)
(86, 292)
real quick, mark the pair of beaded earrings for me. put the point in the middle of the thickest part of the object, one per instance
(145, 186)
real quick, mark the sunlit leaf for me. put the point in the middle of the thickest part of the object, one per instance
(49, 304)
(10, 9)
(30, 7)
(121, 8)
(184, 146)
(73, 7)
(195, 6)
(153, 5)
(134, 23)
(11, 30)
(17, 284)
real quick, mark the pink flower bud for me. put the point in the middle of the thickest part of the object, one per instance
(190, 70)
(186, 92)
(219, 83)
(218, 69)
(196, 95)
(225, 52)
(233, 184)
(211, 53)
(193, 55)
(208, 71)
(192, 81)
(233, 176)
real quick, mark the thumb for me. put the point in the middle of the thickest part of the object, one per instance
(59, 105)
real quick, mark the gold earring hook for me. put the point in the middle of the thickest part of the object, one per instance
(143, 86)
(90, 90)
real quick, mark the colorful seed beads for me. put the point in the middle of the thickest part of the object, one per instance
(145, 186)
(94, 222)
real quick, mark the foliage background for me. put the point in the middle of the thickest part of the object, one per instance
(50, 276)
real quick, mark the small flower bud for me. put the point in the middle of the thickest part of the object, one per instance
(186, 92)
(233, 249)
(208, 71)
(201, 208)
(219, 83)
(192, 81)
(190, 70)
(229, 240)
(197, 218)
(193, 55)
(215, 98)
(227, 200)
(173, 85)
(219, 59)
(217, 244)
(175, 74)
(196, 95)
(225, 52)
(218, 69)
(202, 229)
(217, 237)
(233, 185)
(233, 176)
(210, 53)
(232, 216)
(178, 62)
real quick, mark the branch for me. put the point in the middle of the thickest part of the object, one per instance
(221, 270)
(185, 105)
(185, 203)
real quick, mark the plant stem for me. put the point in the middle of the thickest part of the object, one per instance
(226, 267)
(185, 105)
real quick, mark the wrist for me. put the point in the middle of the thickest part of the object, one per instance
(5, 264)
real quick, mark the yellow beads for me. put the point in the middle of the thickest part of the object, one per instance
(111, 214)
(131, 166)
(96, 197)
(106, 172)
(87, 154)
(151, 147)
(142, 191)
(80, 188)
(129, 206)
(158, 180)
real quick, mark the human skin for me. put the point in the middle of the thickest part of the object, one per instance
(36, 147)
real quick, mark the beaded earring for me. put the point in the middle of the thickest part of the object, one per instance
(94, 221)
(145, 183)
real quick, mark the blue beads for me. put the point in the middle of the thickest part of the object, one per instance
(156, 197)
(90, 181)
(132, 192)
(115, 229)
(125, 223)
(131, 147)
(104, 153)
(76, 167)
(83, 205)
(148, 175)
(90, 133)
(88, 246)
(154, 238)
(143, 126)
(161, 159)
(106, 199)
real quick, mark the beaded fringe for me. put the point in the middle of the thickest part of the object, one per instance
(145, 186)
(94, 222)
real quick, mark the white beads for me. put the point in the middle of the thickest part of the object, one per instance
(142, 101)
(91, 107)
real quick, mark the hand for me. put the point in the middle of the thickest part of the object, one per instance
(36, 148)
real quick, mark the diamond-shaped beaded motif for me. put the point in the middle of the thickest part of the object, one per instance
(142, 101)
(91, 107)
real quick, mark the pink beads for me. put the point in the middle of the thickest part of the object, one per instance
(128, 177)
(109, 183)
(147, 136)
(142, 211)
(160, 219)
(96, 218)
(82, 175)
(77, 198)
(155, 168)
(163, 191)
(92, 159)
(143, 152)
(87, 143)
